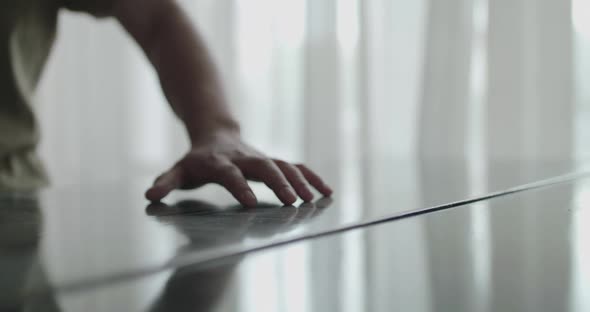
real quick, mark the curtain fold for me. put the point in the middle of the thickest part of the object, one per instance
(367, 92)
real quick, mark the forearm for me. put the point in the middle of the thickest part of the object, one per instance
(187, 74)
(192, 87)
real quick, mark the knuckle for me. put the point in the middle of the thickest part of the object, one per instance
(160, 177)
(299, 184)
(208, 158)
(264, 162)
(275, 184)
(278, 186)
(227, 169)
(214, 159)
(296, 172)
(239, 154)
(282, 163)
(231, 176)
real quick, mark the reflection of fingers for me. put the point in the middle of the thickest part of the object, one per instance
(307, 205)
(267, 171)
(164, 184)
(306, 211)
(289, 217)
(296, 179)
(154, 209)
(315, 180)
(230, 177)
(324, 202)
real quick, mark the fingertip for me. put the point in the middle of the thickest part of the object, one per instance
(315, 181)
(151, 196)
(327, 191)
(289, 202)
(287, 196)
(155, 194)
(303, 191)
(164, 184)
(306, 195)
(248, 199)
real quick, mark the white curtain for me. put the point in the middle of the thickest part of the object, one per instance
(359, 89)
(315, 81)
(328, 82)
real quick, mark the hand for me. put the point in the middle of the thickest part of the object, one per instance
(228, 161)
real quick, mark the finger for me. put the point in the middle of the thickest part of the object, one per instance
(296, 179)
(268, 172)
(315, 180)
(164, 184)
(230, 177)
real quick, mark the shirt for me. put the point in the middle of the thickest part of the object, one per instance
(27, 33)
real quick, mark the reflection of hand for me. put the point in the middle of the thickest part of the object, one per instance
(206, 224)
(198, 287)
(24, 285)
(20, 223)
(268, 222)
(228, 161)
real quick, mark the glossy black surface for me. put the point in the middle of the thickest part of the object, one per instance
(102, 231)
(99, 248)
(522, 252)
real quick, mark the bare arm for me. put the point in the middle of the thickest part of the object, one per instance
(187, 73)
(191, 85)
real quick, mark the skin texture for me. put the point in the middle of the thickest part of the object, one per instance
(191, 84)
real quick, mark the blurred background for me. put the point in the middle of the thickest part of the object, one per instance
(362, 91)
(330, 81)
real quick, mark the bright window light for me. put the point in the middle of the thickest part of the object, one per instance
(581, 17)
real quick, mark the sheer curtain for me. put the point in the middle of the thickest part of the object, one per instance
(315, 81)
(328, 82)
(362, 90)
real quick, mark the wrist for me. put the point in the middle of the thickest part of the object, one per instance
(213, 130)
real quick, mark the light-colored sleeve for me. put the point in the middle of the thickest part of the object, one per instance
(97, 8)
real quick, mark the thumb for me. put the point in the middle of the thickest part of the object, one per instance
(164, 184)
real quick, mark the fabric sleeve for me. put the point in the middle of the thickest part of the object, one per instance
(97, 8)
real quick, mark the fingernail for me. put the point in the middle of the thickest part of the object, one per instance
(152, 194)
(287, 194)
(249, 198)
(307, 195)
